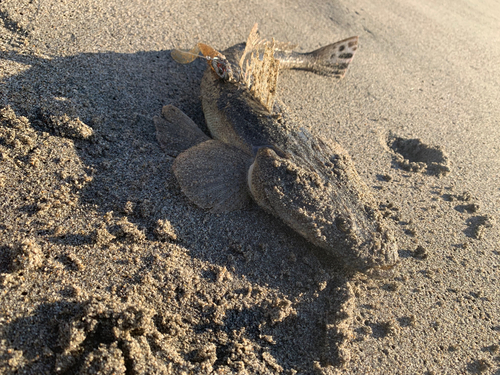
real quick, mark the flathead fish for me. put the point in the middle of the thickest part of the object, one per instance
(258, 152)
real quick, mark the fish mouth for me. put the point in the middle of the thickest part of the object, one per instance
(376, 254)
(388, 256)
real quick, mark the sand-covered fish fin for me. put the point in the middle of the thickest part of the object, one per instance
(261, 76)
(333, 59)
(213, 175)
(176, 132)
(251, 44)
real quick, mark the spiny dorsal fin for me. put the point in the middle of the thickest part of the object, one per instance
(261, 76)
(252, 42)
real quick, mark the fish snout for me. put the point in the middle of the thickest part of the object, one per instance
(380, 251)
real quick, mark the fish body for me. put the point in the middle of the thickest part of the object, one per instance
(258, 151)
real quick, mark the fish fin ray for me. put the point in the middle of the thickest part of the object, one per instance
(253, 40)
(261, 76)
(185, 56)
(213, 175)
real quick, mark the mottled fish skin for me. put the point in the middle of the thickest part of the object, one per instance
(309, 184)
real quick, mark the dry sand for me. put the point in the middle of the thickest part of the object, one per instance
(105, 267)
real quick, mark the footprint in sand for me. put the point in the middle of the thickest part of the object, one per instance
(415, 156)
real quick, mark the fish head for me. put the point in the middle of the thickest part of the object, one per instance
(221, 67)
(224, 69)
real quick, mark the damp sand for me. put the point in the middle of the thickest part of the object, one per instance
(105, 267)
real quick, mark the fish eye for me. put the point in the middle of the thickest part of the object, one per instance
(219, 68)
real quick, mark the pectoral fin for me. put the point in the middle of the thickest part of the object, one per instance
(213, 176)
(176, 132)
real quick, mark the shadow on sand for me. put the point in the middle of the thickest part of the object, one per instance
(117, 95)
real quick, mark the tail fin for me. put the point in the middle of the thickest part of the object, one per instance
(331, 60)
(334, 59)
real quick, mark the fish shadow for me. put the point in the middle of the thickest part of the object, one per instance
(117, 94)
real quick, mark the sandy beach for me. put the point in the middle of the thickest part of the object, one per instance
(107, 268)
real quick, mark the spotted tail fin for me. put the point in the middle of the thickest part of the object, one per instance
(331, 60)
